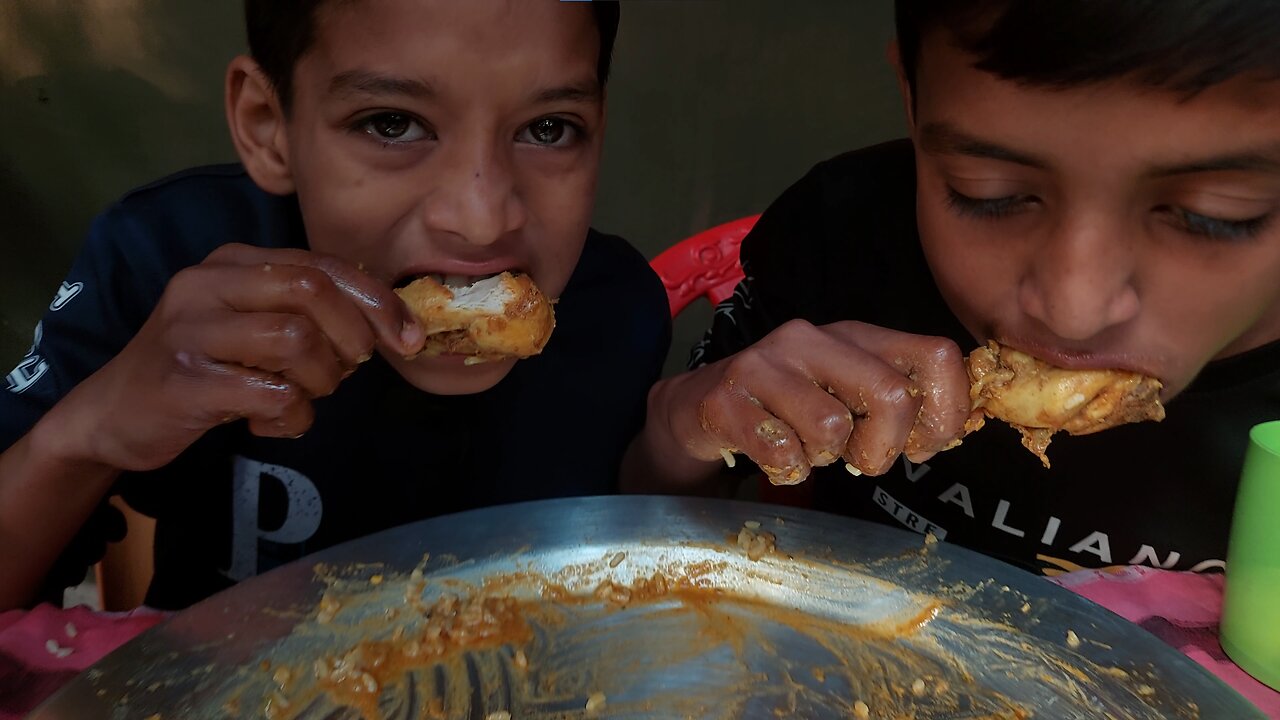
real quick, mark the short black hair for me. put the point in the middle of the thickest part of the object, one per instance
(281, 31)
(1184, 46)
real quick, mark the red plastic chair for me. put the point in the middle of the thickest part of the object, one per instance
(706, 265)
(703, 265)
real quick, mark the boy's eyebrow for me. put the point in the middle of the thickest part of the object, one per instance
(574, 92)
(945, 138)
(365, 82)
(1262, 160)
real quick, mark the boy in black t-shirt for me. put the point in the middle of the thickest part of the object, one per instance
(228, 353)
(1094, 183)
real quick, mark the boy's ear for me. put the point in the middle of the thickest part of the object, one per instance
(893, 53)
(257, 124)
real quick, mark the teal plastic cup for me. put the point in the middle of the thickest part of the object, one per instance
(1250, 630)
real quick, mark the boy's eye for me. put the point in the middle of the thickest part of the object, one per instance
(393, 127)
(549, 132)
(1216, 228)
(988, 208)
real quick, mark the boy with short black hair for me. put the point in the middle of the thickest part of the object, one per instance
(228, 353)
(1096, 184)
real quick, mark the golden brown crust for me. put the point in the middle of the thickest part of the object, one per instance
(1039, 399)
(514, 320)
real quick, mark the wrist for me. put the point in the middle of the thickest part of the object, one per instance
(60, 444)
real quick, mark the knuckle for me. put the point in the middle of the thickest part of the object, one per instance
(744, 364)
(225, 253)
(894, 391)
(712, 412)
(294, 335)
(186, 364)
(834, 428)
(280, 397)
(794, 330)
(945, 351)
(181, 285)
(185, 276)
(310, 283)
(328, 265)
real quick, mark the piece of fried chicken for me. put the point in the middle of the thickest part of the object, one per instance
(504, 316)
(1039, 399)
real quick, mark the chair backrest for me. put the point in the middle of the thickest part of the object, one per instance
(703, 265)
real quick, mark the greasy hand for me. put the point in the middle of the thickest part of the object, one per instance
(806, 396)
(249, 333)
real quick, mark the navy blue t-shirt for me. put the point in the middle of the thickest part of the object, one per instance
(842, 244)
(381, 453)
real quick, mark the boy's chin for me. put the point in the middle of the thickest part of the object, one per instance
(450, 374)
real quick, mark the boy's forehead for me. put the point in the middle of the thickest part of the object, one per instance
(430, 39)
(943, 47)
(963, 109)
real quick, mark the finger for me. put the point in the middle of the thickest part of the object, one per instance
(294, 422)
(889, 405)
(216, 393)
(820, 421)
(382, 309)
(732, 420)
(883, 402)
(292, 346)
(288, 289)
(936, 368)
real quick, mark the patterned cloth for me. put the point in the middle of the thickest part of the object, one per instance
(1180, 608)
(43, 649)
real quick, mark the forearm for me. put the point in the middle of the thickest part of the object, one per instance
(657, 462)
(47, 492)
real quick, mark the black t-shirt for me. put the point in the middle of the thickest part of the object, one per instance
(381, 453)
(842, 244)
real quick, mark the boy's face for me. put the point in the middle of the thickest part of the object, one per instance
(459, 138)
(1110, 225)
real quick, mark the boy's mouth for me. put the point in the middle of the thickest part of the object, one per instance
(1078, 359)
(451, 281)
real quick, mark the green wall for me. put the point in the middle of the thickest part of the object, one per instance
(715, 107)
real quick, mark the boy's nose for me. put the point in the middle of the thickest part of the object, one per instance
(474, 195)
(1081, 280)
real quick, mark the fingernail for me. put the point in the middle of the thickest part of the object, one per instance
(852, 470)
(919, 458)
(790, 475)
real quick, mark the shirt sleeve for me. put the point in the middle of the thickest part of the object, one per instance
(777, 258)
(93, 314)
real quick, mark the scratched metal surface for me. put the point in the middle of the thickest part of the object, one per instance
(845, 613)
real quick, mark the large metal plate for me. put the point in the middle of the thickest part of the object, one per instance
(844, 614)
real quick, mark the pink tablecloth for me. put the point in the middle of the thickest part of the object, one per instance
(1181, 609)
(42, 649)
